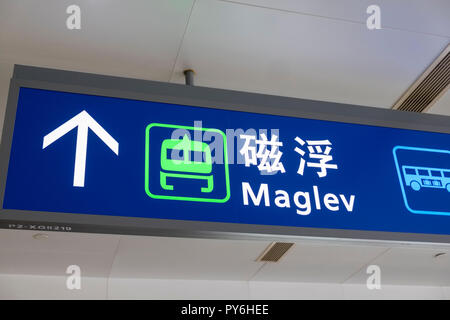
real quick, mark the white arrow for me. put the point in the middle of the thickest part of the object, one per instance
(83, 121)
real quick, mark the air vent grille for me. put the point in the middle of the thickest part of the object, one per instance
(275, 251)
(429, 87)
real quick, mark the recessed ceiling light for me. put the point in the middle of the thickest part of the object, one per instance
(40, 236)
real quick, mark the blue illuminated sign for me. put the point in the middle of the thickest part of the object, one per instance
(95, 155)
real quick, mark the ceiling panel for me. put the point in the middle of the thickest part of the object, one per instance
(389, 292)
(176, 258)
(43, 287)
(20, 253)
(425, 16)
(138, 38)
(122, 288)
(260, 290)
(256, 49)
(116, 257)
(319, 263)
(411, 266)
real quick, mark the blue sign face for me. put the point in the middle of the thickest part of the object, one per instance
(85, 154)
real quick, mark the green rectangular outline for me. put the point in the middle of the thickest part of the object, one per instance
(196, 199)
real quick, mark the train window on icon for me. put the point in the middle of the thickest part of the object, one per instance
(435, 173)
(447, 174)
(410, 171)
(423, 172)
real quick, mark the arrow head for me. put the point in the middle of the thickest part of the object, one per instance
(83, 121)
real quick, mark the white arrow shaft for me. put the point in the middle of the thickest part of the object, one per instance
(80, 156)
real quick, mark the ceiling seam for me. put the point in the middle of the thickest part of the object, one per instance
(364, 265)
(182, 40)
(334, 18)
(116, 250)
(256, 272)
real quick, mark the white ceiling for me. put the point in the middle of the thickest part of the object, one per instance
(257, 49)
(442, 106)
(139, 257)
(138, 38)
(402, 265)
(175, 258)
(316, 49)
(429, 17)
(20, 253)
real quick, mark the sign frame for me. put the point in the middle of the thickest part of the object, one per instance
(145, 90)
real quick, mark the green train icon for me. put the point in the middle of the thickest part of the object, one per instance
(186, 167)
